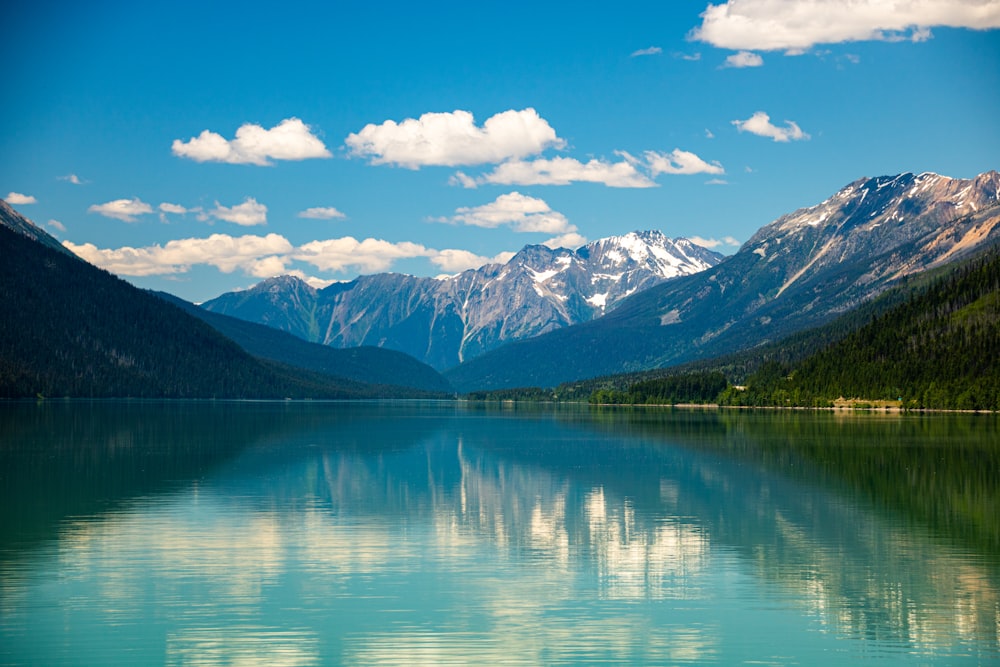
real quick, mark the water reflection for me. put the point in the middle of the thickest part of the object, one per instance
(432, 534)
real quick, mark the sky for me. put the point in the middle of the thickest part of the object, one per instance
(199, 148)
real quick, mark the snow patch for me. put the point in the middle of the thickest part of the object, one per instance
(598, 300)
(606, 276)
(670, 317)
(542, 276)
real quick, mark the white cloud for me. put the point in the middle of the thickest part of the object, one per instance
(268, 267)
(56, 225)
(262, 256)
(717, 181)
(17, 199)
(452, 139)
(572, 240)
(72, 178)
(744, 59)
(122, 209)
(651, 51)
(520, 212)
(247, 214)
(322, 213)
(680, 162)
(367, 256)
(760, 124)
(767, 25)
(456, 261)
(291, 139)
(630, 172)
(713, 243)
(167, 207)
(563, 171)
(226, 253)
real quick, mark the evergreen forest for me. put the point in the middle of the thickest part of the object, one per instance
(69, 329)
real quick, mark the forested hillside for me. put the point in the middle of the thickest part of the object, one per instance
(369, 364)
(70, 329)
(940, 350)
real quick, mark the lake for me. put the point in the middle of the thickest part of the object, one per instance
(410, 533)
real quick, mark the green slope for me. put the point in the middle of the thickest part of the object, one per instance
(70, 329)
(363, 364)
(939, 349)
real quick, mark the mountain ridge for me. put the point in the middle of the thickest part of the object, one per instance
(443, 321)
(798, 271)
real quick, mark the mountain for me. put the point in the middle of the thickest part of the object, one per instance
(372, 365)
(939, 349)
(16, 222)
(444, 321)
(70, 329)
(799, 271)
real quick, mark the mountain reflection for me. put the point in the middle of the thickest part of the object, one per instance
(445, 536)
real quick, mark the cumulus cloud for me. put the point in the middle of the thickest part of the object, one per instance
(56, 225)
(713, 243)
(522, 214)
(760, 124)
(651, 51)
(679, 162)
(322, 213)
(456, 261)
(571, 240)
(226, 253)
(766, 25)
(167, 207)
(744, 59)
(291, 139)
(629, 172)
(71, 178)
(267, 256)
(453, 139)
(370, 255)
(563, 171)
(17, 199)
(122, 209)
(248, 213)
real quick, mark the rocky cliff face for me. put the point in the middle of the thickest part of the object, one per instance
(910, 222)
(445, 321)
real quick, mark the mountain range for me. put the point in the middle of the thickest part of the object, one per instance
(625, 304)
(448, 320)
(799, 271)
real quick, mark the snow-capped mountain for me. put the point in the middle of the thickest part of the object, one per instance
(799, 271)
(873, 216)
(444, 321)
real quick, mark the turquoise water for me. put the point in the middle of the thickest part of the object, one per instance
(439, 533)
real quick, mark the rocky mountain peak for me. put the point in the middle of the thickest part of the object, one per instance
(445, 321)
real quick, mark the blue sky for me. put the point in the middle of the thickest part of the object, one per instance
(198, 148)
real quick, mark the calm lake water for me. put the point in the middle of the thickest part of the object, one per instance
(438, 533)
